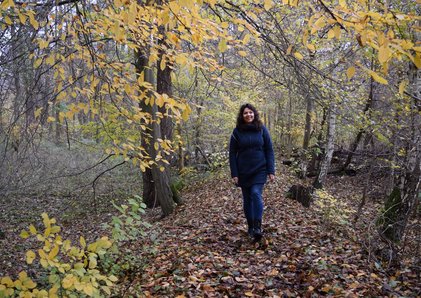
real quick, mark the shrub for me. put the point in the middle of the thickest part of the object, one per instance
(333, 210)
(72, 270)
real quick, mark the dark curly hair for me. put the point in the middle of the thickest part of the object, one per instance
(240, 119)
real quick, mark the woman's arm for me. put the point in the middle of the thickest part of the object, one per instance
(233, 150)
(269, 154)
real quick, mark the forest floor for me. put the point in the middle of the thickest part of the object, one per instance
(202, 249)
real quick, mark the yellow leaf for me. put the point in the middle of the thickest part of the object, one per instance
(46, 219)
(298, 56)
(186, 113)
(225, 25)
(7, 281)
(82, 242)
(32, 229)
(350, 72)
(242, 53)
(186, 3)
(68, 281)
(319, 24)
(311, 47)
(331, 34)
(22, 275)
(246, 39)
(112, 278)
(53, 253)
(222, 46)
(337, 31)
(51, 119)
(30, 256)
(32, 20)
(43, 263)
(211, 2)
(50, 60)
(88, 289)
(181, 59)
(402, 87)
(293, 3)
(29, 284)
(342, 3)
(22, 18)
(127, 89)
(249, 294)
(37, 62)
(384, 54)
(175, 8)
(378, 78)
(24, 234)
(8, 20)
(163, 63)
(6, 4)
(92, 262)
(268, 4)
(37, 112)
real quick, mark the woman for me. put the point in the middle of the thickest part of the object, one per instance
(251, 162)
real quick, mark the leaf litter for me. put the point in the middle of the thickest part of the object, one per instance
(203, 250)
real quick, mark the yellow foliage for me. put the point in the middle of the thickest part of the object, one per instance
(75, 268)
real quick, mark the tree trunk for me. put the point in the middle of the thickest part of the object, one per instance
(406, 192)
(164, 86)
(160, 182)
(306, 140)
(289, 127)
(330, 139)
(148, 193)
(315, 159)
(354, 145)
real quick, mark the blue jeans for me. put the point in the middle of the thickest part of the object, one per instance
(253, 201)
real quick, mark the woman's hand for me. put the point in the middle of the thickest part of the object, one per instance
(271, 177)
(235, 180)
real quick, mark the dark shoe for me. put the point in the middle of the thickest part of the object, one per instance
(250, 229)
(257, 229)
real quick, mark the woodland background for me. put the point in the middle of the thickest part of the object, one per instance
(115, 118)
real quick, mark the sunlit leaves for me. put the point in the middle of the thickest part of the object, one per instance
(371, 26)
(377, 77)
(70, 269)
(298, 55)
(402, 87)
(6, 4)
(242, 53)
(350, 72)
(222, 46)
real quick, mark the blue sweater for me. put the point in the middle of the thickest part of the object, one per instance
(251, 156)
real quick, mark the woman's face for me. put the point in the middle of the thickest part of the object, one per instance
(248, 115)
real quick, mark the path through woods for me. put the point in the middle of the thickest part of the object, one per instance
(203, 250)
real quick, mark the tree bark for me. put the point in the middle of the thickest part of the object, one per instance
(330, 139)
(306, 140)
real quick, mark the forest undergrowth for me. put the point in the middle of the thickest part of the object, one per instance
(202, 250)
